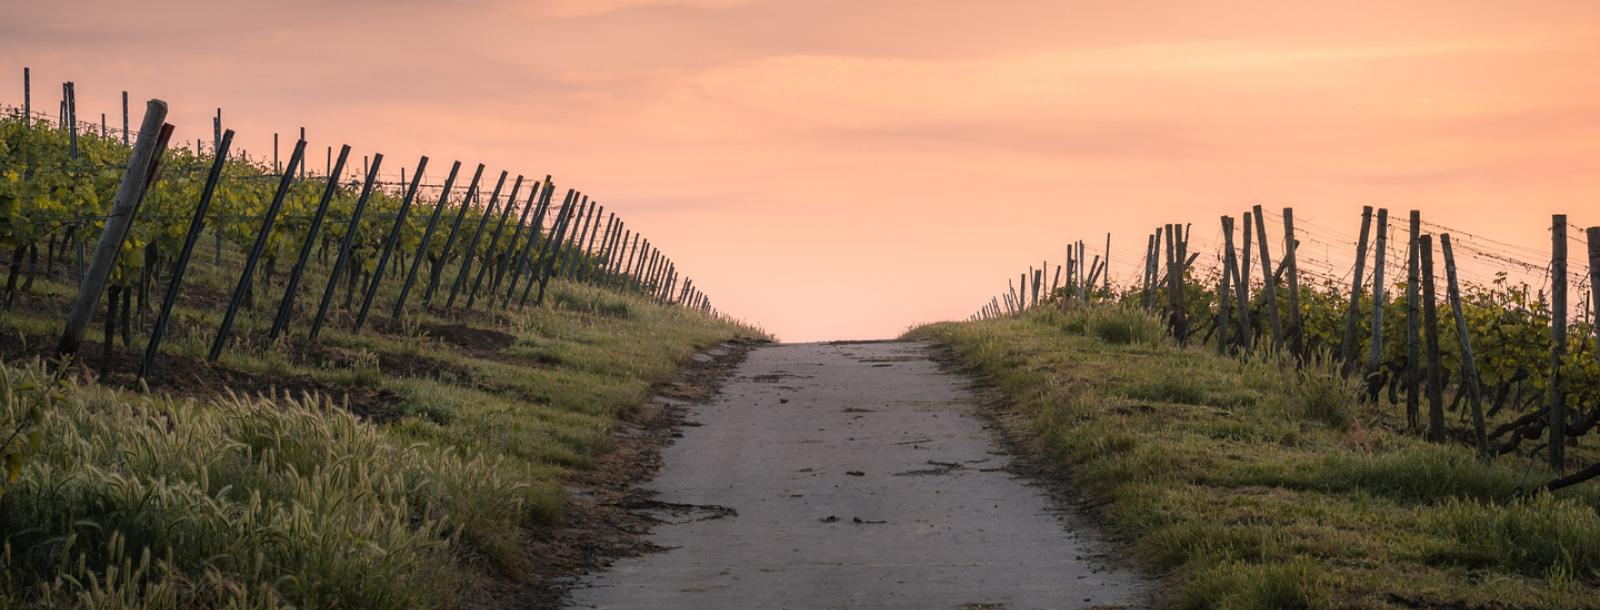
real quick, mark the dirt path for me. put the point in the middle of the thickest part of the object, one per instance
(853, 475)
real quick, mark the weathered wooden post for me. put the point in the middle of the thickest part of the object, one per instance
(1557, 398)
(280, 322)
(536, 237)
(1172, 284)
(536, 267)
(256, 249)
(1291, 244)
(427, 234)
(1375, 351)
(1241, 292)
(628, 267)
(72, 117)
(589, 274)
(1106, 286)
(1430, 319)
(1269, 282)
(1347, 347)
(1413, 310)
(344, 247)
(574, 228)
(389, 244)
(1223, 294)
(494, 240)
(538, 198)
(437, 269)
(136, 179)
(181, 266)
(586, 247)
(1245, 257)
(1147, 281)
(1083, 276)
(472, 245)
(1469, 366)
(559, 237)
(575, 245)
(1593, 235)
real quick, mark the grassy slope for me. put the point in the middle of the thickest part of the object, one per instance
(207, 501)
(1251, 488)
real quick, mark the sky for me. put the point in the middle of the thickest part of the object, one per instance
(844, 169)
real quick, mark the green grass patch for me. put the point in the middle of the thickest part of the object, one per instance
(1257, 484)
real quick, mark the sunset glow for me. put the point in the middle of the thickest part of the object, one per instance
(836, 169)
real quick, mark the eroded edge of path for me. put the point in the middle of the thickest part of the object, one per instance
(604, 517)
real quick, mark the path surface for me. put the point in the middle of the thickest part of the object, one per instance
(853, 475)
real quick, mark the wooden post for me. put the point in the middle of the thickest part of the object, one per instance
(586, 247)
(1413, 310)
(494, 240)
(513, 252)
(1269, 288)
(181, 266)
(1033, 283)
(633, 250)
(1347, 347)
(256, 249)
(1558, 342)
(1375, 350)
(1244, 258)
(558, 236)
(535, 229)
(125, 118)
(450, 239)
(1223, 294)
(576, 245)
(72, 117)
(135, 180)
(303, 164)
(638, 267)
(428, 232)
(588, 273)
(472, 245)
(27, 99)
(344, 248)
(574, 227)
(1172, 284)
(1430, 327)
(1291, 243)
(286, 306)
(1593, 235)
(546, 247)
(1107, 279)
(1083, 276)
(1180, 282)
(1232, 270)
(1469, 367)
(1145, 280)
(389, 244)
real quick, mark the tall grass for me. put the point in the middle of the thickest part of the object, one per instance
(150, 502)
(1262, 483)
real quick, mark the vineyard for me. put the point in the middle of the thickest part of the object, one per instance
(1503, 356)
(206, 353)
(1411, 430)
(59, 183)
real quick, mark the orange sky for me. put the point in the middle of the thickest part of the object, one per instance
(843, 169)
